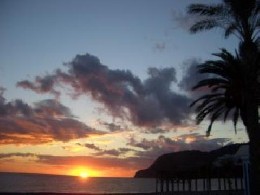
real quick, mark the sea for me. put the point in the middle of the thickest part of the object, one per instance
(35, 183)
(25, 182)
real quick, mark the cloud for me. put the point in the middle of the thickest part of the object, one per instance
(42, 130)
(161, 103)
(191, 77)
(145, 103)
(14, 108)
(106, 152)
(162, 145)
(112, 127)
(46, 121)
(41, 85)
(53, 108)
(18, 154)
(91, 146)
(144, 153)
(155, 130)
(112, 152)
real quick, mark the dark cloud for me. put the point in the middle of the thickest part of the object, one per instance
(53, 108)
(106, 152)
(115, 152)
(144, 143)
(144, 103)
(112, 127)
(161, 103)
(18, 154)
(112, 152)
(162, 145)
(91, 146)
(190, 74)
(125, 150)
(14, 108)
(155, 130)
(41, 85)
(44, 122)
(191, 77)
(42, 130)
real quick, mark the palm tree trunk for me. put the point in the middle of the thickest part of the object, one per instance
(255, 163)
(254, 140)
(252, 114)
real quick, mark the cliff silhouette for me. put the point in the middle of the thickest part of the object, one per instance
(187, 162)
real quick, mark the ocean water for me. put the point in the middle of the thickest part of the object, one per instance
(20, 182)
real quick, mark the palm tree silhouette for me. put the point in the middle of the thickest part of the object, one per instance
(242, 19)
(226, 90)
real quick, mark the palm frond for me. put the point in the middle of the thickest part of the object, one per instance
(208, 110)
(218, 88)
(227, 113)
(214, 117)
(210, 82)
(205, 97)
(234, 17)
(205, 24)
(235, 118)
(210, 66)
(209, 104)
(208, 10)
(230, 30)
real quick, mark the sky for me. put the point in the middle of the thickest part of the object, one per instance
(102, 87)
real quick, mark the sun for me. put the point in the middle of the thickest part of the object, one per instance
(83, 174)
(80, 171)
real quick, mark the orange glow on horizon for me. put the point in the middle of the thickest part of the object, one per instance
(84, 175)
(188, 140)
(25, 166)
(83, 172)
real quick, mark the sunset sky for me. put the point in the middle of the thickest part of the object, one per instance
(101, 86)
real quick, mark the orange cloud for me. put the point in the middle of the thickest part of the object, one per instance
(45, 122)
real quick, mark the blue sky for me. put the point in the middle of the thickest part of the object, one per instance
(37, 37)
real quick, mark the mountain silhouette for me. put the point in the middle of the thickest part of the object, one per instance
(186, 161)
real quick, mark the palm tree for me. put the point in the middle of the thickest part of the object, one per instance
(225, 86)
(242, 19)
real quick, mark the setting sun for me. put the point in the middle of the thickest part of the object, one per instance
(83, 175)
(83, 172)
